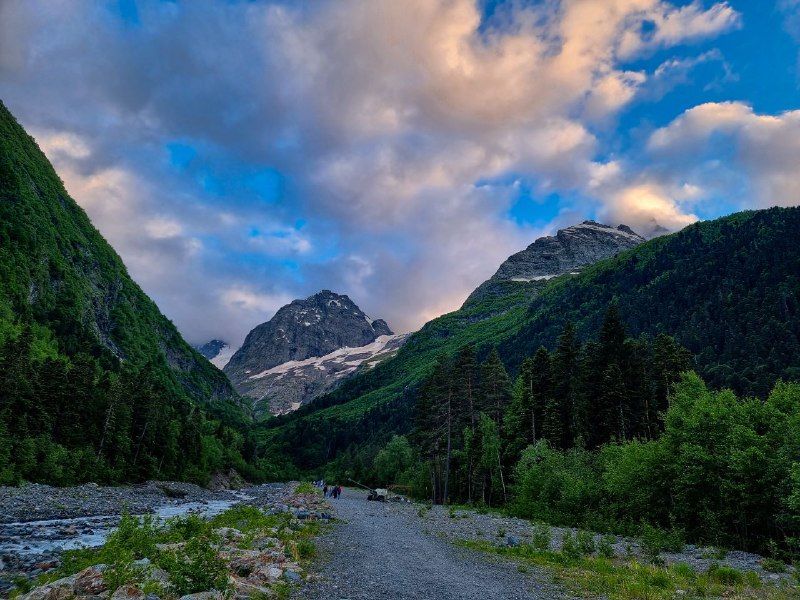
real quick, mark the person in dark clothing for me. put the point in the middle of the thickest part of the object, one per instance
(325, 491)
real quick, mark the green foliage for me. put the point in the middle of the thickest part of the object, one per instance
(95, 383)
(541, 536)
(569, 545)
(136, 536)
(605, 546)
(195, 567)
(393, 461)
(655, 541)
(585, 542)
(592, 577)
(306, 487)
(772, 565)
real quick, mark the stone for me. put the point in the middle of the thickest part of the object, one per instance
(570, 250)
(89, 582)
(264, 543)
(245, 589)
(314, 327)
(61, 589)
(512, 541)
(210, 595)
(128, 592)
(158, 575)
(229, 533)
(292, 576)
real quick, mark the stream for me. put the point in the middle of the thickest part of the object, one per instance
(30, 542)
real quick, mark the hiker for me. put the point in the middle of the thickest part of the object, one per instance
(338, 491)
(325, 491)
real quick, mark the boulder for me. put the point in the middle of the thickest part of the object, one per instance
(210, 595)
(89, 582)
(62, 589)
(128, 592)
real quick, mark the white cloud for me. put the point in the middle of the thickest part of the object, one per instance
(385, 117)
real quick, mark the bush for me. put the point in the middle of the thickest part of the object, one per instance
(137, 536)
(725, 575)
(569, 546)
(655, 541)
(305, 487)
(195, 568)
(306, 549)
(605, 547)
(541, 536)
(772, 565)
(585, 542)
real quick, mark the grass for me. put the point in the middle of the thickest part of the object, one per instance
(628, 579)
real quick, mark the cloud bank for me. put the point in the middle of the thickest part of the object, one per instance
(241, 154)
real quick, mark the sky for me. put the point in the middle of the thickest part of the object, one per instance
(239, 154)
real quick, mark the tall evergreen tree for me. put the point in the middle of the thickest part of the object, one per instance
(565, 389)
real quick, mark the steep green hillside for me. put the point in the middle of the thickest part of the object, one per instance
(728, 290)
(94, 380)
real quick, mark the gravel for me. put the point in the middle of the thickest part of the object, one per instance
(382, 550)
(500, 530)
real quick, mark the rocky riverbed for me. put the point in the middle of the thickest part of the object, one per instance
(37, 522)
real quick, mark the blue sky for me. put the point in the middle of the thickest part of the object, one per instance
(239, 154)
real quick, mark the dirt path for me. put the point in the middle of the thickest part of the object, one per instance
(383, 551)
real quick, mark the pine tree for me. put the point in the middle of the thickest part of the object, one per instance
(495, 387)
(565, 384)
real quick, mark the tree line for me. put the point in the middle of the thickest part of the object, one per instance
(65, 420)
(472, 423)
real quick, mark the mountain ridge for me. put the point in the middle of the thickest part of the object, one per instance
(317, 327)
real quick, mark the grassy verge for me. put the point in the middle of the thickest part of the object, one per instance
(629, 579)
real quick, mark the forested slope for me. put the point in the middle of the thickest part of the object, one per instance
(94, 381)
(728, 290)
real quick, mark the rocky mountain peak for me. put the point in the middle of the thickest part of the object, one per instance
(305, 328)
(568, 251)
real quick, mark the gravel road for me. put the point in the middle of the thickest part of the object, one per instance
(383, 551)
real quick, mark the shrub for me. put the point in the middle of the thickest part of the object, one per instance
(605, 547)
(569, 546)
(541, 536)
(134, 536)
(195, 568)
(306, 549)
(585, 542)
(772, 565)
(655, 541)
(725, 575)
(305, 487)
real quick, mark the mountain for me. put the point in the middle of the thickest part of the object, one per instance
(94, 381)
(305, 350)
(568, 251)
(728, 290)
(491, 315)
(217, 352)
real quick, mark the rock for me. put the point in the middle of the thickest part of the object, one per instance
(245, 589)
(265, 543)
(89, 582)
(229, 533)
(568, 251)
(128, 592)
(158, 575)
(512, 541)
(316, 327)
(272, 572)
(211, 595)
(292, 576)
(142, 562)
(62, 589)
